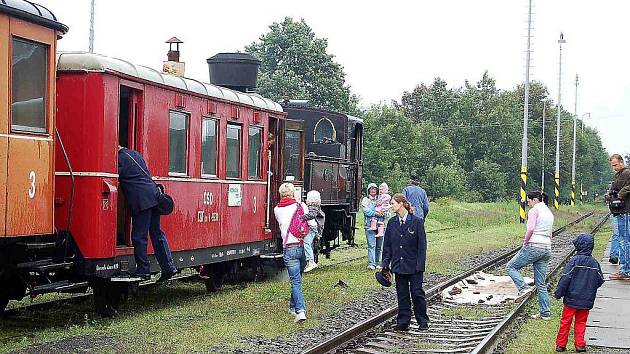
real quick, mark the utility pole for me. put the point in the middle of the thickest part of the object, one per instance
(574, 144)
(92, 27)
(525, 117)
(556, 199)
(542, 169)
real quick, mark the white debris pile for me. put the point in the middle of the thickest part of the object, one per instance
(483, 288)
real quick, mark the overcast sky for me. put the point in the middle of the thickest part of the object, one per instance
(387, 48)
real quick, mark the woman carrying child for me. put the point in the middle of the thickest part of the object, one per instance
(316, 219)
(375, 244)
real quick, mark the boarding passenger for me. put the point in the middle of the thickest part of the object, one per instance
(141, 194)
(404, 254)
(316, 220)
(293, 231)
(578, 286)
(536, 250)
(417, 197)
(375, 244)
(619, 199)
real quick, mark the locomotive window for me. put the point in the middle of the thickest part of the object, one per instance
(325, 132)
(292, 155)
(233, 158)
(209, 147)
(29, 79)
(177, 142)
(255, 155)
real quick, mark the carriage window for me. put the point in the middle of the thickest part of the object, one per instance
(28, 86)
(177, 142)
(233, 164)
(254, 158)
(325, 132)
(292, 155)
(209, 147)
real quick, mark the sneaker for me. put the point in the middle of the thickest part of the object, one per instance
(541, 317)
(310, 266)
(560, 349)
(300, 317)
(619, 276)
(292, 312)
(613, 260)
(580, 349)
(423, 326)
(371, 267)
(523, 294)
(379, 268)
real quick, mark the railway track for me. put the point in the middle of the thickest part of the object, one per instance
(448, 333)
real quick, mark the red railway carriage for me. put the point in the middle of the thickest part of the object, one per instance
(206, 144)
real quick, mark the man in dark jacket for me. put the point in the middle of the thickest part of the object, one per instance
(578, 285)
(620, 190)
(141, 194)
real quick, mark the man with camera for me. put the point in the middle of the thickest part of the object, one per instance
(618, 199)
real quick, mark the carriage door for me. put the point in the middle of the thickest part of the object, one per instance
(294, 154)
(29, 147)
(129, 136)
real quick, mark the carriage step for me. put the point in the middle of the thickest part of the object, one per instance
(44, 265)
(59, 286)
(33, 264)
(271, 256)
(53, 266)
(37, 245)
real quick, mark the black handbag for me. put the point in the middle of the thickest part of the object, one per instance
(165, 203)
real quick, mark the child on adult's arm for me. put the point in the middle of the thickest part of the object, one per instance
(578, 285)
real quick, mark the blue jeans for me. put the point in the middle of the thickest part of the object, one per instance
(295, 261)
(614, 239)
(375, 247)
(308, 244)
(623, 224)
(539, 258)
(148, 222)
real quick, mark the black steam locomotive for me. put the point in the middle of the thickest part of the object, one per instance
(323, 150)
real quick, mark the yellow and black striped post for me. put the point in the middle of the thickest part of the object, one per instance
(556, 198)
(522, 213)
(573, 194)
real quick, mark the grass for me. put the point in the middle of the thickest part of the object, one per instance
(182, 317)
(540, 336)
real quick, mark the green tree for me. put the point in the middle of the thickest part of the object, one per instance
(488, 179)
(445, 181)
(295, 65)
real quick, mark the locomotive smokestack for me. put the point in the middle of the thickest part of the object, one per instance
(173, 65)
(237, 71)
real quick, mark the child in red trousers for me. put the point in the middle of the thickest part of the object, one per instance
(578, 285)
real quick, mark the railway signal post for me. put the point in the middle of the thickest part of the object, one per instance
(556, 198)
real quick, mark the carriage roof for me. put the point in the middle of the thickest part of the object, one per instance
(32, 12)
(90, 62)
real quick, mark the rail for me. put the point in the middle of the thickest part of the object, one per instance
(362, 327)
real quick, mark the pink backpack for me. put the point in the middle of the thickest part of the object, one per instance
(298, 228)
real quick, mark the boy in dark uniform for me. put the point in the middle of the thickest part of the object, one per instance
(404, 253)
